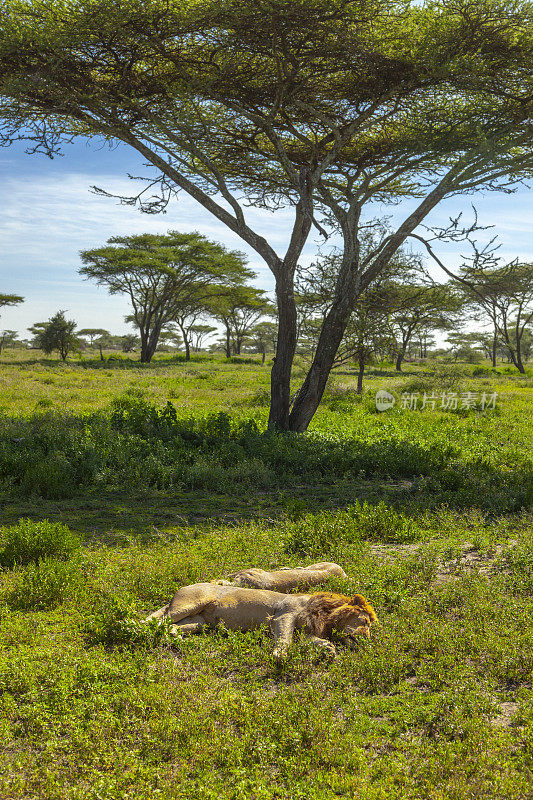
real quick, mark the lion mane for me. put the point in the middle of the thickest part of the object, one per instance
(327, 611)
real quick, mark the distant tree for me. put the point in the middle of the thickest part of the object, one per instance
(8, 338)
(129, 342)
(104, 341)
(483, 342)
(419, 309)
(465, 347)
(162, 275)
(368, 331)
(171, 336)
(186, 319)
(238, 308)
(262, 338)
(56, 334)
(502, 295)
(92, 334)
(199, 333)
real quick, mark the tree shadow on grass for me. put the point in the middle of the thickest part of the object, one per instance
(128, 363)
(101, 475)
(115, 518)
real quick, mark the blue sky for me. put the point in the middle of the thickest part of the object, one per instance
(50, 215)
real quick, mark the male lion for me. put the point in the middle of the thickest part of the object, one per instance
(242, 609)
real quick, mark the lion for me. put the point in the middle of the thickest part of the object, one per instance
(242, 609)
(287, 578)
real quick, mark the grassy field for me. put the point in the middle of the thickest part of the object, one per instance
(133, 480)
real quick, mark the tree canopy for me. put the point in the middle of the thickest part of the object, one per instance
(10, 300)
(93, 333)
(324, 105)
(56, 334)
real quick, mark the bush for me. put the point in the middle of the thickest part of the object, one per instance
(30, 541)
(326, 533)
(444, 377)
(241, 360)
(44, 585)
(115, 624)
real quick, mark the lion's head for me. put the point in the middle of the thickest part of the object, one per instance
(327, 611)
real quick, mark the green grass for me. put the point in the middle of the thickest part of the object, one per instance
(428, 512)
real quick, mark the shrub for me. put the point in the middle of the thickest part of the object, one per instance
(44, 585)
(115, 624)
(445, 377)
(324, 534)
(52, 478)
(240, 360)
(30, 541)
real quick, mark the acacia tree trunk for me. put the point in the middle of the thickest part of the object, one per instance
(145, 350)
(186, 341)
(518, 337)
(514, 354)
(494, 348)
(153, 339)
(360, 374)
(280, 377)
(346, 292)
(145, 353)
(399, 358)
(519, 364)
(228, 341)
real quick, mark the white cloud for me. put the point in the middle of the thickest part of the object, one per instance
(48, 220)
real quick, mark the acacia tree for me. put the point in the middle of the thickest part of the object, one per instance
(92, 334)
(162, 275)
(504, 295)
(262, 338)
(367, 332)
(56, 334)
(199, 333)
(104, 340)
(185, 319)
(419, 309)
(326, 107)
(8, 338)
(238, 308)
(10, 300)
(465, 346)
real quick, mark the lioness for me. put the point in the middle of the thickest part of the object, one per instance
(317, 615)
(286, 578)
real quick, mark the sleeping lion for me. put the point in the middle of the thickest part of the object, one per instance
(317, 615)
(286, 578)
